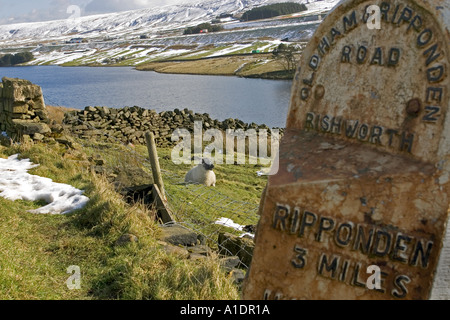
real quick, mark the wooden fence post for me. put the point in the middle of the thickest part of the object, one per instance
(156, 170)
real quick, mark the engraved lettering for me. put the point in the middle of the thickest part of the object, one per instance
(309, 121)
(424, 38)
(377, 57)
(328, 266)
(279, 219)
(384, 9)
(382, 243)
(423, 253)
(363, 242)
(406, 142)
(432, 114)
(346, 51)
(435, 74)
(431, 54)
(314, 62)
(350, 23)
(361, 54)
(325, 124)
(325, 224)
(323, 46)
(336, 125)
(299, 262)
(394, 57)
(351, 130)
(405, 16)
(400, 248)
(344, 234)
(305, 222)
(434, 94)
(416, 23)
(375, 136)
(401, 291)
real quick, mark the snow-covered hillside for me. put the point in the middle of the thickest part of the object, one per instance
(152, 21)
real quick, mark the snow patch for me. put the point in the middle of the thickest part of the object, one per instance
(17, 184)
(231, 224)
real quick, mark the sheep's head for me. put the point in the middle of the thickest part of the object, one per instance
(207, 164)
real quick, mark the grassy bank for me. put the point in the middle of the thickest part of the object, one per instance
(253, 66)
(36, 250)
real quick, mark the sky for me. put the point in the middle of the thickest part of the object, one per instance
(18, 11)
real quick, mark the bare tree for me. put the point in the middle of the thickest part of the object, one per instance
(285, 54)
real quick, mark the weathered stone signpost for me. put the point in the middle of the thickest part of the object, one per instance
(364, 176)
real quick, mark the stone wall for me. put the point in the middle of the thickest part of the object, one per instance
(129, 124)
(22, 109)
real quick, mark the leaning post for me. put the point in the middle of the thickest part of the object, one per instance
(156, 169)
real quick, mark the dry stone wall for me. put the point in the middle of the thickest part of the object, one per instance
(129, 124)
(22, 109)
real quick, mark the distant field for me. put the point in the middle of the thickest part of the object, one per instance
(231, 65)
(248, 58)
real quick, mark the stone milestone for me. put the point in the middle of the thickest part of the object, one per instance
(359, 206)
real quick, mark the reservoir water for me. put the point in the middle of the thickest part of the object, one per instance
(251, 100)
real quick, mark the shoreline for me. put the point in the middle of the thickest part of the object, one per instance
(270, 75)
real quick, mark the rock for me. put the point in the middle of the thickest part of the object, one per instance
(77, 155)
(30, 128)
(177, 235)
(90, 109)
(26, 139)
(38, 137)
(68, 141)
(171, 249)
(196, 256)
(20, 108)
(236, 246)
(126, 239)
(99, 170)
(250, 229)
(56, 128)
(200, 249)
(5, 141)
(238, 276)
(97, 160)
(229, 263)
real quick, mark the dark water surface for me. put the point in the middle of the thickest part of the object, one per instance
(251, 100)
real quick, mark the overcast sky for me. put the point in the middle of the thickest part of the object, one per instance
(16, 11)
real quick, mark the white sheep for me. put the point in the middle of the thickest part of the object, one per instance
(202, 174)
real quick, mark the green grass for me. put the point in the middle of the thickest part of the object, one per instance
(28, 268)
(36, 250)
(201, 53)
(234, 183)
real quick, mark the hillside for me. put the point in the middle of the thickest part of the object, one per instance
(152, 20)
(147, 35)
(119, 246)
